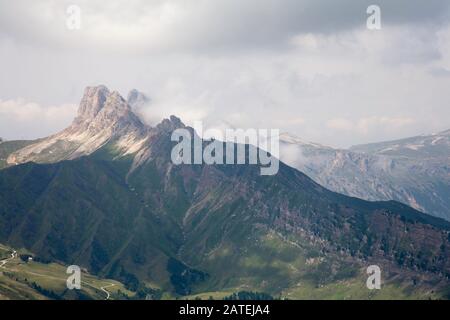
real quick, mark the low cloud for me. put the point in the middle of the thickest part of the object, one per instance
(340, 124)
(20, 119)
(304, 66)
(365, 126)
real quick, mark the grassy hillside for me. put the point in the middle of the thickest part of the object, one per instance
(34, 280)
(21, 279)
(197, 229)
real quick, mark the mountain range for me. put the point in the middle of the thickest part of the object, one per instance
(104, 194)
(414, 171)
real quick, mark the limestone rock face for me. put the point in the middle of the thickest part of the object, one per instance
(103, 117)
(414, 171)
(93, 100)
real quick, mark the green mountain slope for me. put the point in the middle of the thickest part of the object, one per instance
(35, 279)
(198, 228)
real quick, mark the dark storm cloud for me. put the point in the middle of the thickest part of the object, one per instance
(206, 24)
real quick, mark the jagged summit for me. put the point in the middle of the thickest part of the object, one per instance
(170, 124)
(137, 99)
(103, 116)
(100, 105)
(93, 100)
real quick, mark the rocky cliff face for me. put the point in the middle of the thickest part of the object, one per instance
(103, 116)
(415, 171)
(93, 101)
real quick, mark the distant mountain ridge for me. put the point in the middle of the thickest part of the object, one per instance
(424, 146)
(415, 171)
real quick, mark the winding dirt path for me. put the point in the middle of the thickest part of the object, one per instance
(14, 255)
(5, 261)
(106, 291)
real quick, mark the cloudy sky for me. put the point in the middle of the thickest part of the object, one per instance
(308, 67)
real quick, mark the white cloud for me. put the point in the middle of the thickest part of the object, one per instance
(340, 124)
(365, 126)
(291, 64)
(29, 120)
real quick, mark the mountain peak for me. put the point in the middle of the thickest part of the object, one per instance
(103, 116)
(93, 100)
(102, 108)
(170, 124)
(115, 102)
(116, 95)
(137, 99)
